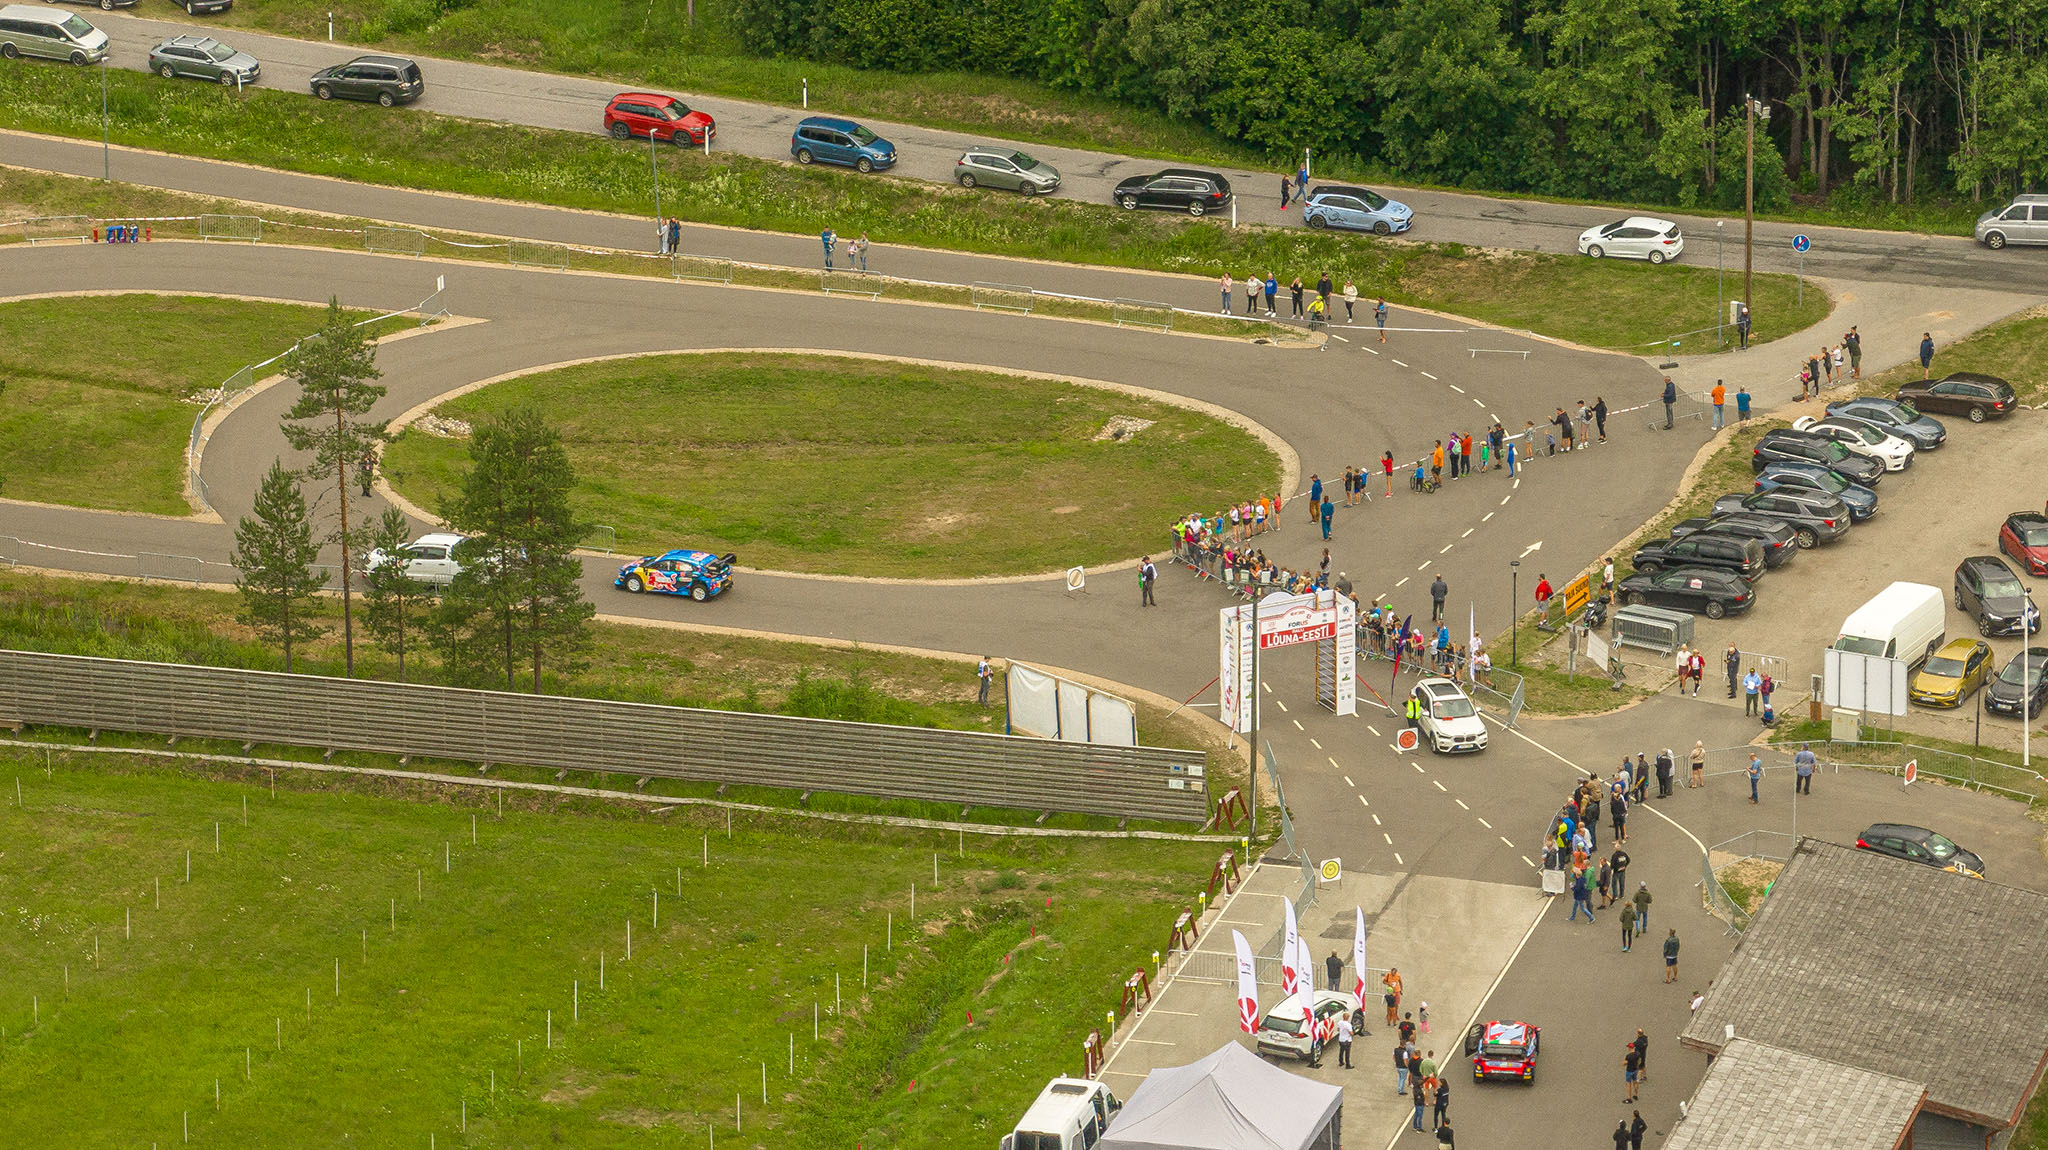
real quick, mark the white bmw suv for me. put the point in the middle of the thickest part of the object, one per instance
(1450, 723)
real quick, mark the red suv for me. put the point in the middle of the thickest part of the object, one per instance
(662, 117)
(2025, 538)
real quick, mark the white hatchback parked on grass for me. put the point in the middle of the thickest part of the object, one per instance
(1635, 238)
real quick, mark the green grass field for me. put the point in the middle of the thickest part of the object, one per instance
(127, 1008)
(97, 419)
(1600, 303)
(850, 466)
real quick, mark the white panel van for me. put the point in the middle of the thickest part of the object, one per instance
(1904, 621)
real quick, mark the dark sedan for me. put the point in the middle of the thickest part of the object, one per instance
(2025, 676)
(1803, 447)
(1780, 542)
(1901, 419)
(1861, 500)
(1182, 189)
(1702, 590)
(1988, 591)
(1815, 517)
(1967, 393)
(1920, 845)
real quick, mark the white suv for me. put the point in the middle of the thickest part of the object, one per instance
(430, 559)
(1450, 723)
(1283, 1030)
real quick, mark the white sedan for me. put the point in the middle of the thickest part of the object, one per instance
(1635, 238)
(1862, 438)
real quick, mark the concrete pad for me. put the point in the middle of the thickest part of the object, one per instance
(1450, 938)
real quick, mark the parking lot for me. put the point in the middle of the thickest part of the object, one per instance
(1947, 506)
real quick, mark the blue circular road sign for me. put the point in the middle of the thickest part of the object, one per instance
(1800, 243)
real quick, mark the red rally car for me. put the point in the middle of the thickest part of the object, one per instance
(1502, 1050)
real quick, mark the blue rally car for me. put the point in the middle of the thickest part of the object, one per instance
(698, 574)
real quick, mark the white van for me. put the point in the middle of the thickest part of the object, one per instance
(1904, 621)
(32, 31)
(1070, 1114)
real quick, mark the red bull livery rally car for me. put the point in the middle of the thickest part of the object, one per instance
(1503, 1050)
(698, 574)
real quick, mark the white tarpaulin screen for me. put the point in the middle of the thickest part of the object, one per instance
(1049, 707)
(1869, 683)
(1034, 702)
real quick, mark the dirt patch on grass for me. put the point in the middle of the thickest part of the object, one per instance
(1749, 880)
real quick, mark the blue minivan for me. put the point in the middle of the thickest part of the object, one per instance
(822, 139)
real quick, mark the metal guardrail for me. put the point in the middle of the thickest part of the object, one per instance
(403, 241)
(1504, 694)
(710, 269)
(1652, 628)
(1776, 846)
(534, 254)
(726, 747)
(247, 229)
(846, 281)
(2021, 783)
(58, 229)
(1003, 297)
(601, 539)
(1142, 313)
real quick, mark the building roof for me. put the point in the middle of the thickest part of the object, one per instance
(1896, 968)
(1759, 1097)
(1231, 1100)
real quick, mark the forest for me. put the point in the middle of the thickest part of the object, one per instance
(1869, 101)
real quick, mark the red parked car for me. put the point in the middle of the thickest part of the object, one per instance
(2025, 538)
(662, 117)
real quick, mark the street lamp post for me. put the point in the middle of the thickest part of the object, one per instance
(1514, 616)
(1720, 292)
(1253, 773)
(1755, 109)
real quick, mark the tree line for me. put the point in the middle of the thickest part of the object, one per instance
(515, 607)
(1873, 101)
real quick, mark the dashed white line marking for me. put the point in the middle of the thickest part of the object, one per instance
(1453, 387)
(1397, 586)
(1518, 481)
(1375, 351)
(1424, 567)
(1484, 823)
(1267, 686)
(1461, 804)
(1525, 858)
(1361, 798)
(1479, 405)
(1298, 726)
(1319, 746)
(1418, 768)
(1394, 748)
(1388, 837)
(1281, 705)
(1504, 500)
(1491, 415)
(1397, 859)
(1376, 820)
(1348, 782)
(1447, 547)
(1468, 531)
(1398, 363)
(1375, 730)
(1426, 375)
(1440, 786)
(1504, 839)
(1485, 517)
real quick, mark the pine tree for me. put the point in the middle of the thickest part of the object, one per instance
(275, 551)
(518, 599)
(333, 368)
(393, 602)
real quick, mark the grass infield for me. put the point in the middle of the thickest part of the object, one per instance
(850, 466)
(348, 967)
(98, 403)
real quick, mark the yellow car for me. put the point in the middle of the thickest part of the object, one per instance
(1950, 674)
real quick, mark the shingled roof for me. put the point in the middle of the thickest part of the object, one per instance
(1759, 1097)
(1898, 968)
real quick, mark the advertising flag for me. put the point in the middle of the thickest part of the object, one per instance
(1290, 972)
(1247, 986)
(1358, 953)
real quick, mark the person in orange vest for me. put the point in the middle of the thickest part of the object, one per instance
(1720, 398)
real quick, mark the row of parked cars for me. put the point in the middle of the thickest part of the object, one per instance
(1813, 482)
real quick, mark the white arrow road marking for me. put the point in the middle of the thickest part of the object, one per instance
(1532, 548)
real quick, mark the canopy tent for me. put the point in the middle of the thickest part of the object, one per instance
(1231, 1100)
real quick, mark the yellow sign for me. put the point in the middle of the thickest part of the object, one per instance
(1576, 593)
(1332, 870)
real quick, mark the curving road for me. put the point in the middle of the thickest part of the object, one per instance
(541, 99)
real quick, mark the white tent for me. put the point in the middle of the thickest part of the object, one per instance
(1231, 1100)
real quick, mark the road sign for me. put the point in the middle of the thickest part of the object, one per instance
(1576, 593)
(1912, 770)
(1331, 870)
(1407, 740)
(1800, 243)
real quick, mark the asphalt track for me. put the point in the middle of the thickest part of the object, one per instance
(540, 99)
(1353, 796)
